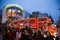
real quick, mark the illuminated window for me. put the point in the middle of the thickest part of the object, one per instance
(9, 12)
(14, 13)
(19, 11)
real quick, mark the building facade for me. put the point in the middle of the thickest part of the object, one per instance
(14, 12)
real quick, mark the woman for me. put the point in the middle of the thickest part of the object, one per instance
(18, 35)
(11, 34)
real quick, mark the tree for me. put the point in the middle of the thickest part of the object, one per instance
(51, 18)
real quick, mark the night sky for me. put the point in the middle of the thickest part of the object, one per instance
(44, 6)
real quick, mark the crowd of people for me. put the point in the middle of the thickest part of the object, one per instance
(27, 34)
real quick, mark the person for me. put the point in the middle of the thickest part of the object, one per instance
(18, 35)
(5, 34)
(10, 34)
(25, 35)
(28, 29)
(33, 34)
(0, 34)
(39, 36)
(43, 29)
(48, 37)
(57, 38)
